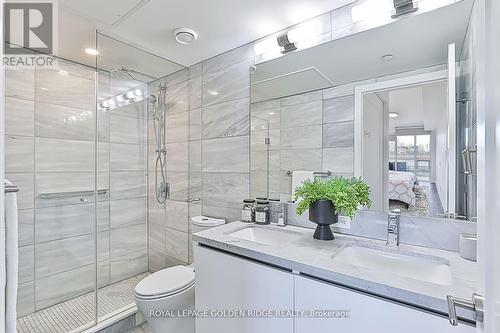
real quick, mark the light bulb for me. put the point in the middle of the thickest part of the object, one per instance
(305, 31)
(91, 51)
(373, 11)
(268, 45)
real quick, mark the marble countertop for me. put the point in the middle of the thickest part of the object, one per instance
(313, 257)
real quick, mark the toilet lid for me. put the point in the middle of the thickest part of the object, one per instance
(166, 281)
(205, 221)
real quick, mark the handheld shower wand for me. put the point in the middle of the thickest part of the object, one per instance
(162, 187)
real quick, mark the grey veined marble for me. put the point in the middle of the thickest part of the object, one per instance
(338, 135)
(226, 154)
(226, 119)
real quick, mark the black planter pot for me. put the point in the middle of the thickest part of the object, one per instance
(322, 212)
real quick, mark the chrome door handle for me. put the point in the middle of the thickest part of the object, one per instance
(476, 305)
(466, 161)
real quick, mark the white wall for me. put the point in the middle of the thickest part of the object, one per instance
(440, 158)
(374, 166)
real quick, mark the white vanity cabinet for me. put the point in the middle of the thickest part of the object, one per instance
(367, 313)
(226, 282)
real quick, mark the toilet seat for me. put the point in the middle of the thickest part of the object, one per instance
(166, 282)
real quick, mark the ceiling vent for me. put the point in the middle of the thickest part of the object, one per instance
(185, 35)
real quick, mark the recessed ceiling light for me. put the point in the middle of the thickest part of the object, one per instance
(393, 114)
(91, 51)
(387, 57)
(185, 35)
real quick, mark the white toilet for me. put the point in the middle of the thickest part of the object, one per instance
(161, 295)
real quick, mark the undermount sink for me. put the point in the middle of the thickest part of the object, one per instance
(406, 264)
(264, 235)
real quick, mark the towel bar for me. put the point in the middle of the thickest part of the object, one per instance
(316, 173)
(57, 195)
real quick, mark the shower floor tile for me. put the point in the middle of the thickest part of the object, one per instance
(78, 313)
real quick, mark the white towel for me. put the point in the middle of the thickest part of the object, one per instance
(298, 177)
(10, 267)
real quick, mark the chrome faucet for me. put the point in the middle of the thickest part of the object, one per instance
(393, 227)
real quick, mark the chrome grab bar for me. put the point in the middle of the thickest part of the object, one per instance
(11, 189)
(57, 195)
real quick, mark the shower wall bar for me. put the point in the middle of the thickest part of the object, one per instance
(56, 195)
(316, 173)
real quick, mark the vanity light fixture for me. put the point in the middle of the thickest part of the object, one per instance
(403, 7)
(393, 114)
(125, 98)
(285, 44)
(91, 51)
(185, 35)
(298, 37)
(130, 95)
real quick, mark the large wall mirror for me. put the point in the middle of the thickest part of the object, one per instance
(390, 105)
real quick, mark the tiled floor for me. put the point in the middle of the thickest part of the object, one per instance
(78, 312)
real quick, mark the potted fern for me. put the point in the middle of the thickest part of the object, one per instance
(325, 199)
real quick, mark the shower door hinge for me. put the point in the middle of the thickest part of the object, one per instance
(267, 141)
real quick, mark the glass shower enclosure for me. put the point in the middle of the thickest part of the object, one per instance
(78, 146)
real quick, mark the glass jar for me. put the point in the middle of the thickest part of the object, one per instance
(274, 208)
(262, 212)
(248, 211)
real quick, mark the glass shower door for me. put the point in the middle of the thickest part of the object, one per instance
(123, 227)
(123, 101)
(50, 124)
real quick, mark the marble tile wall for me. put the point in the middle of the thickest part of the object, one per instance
(225, 132)
(208, 135)
(313, 131)
(307, 132)
(50, 120)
